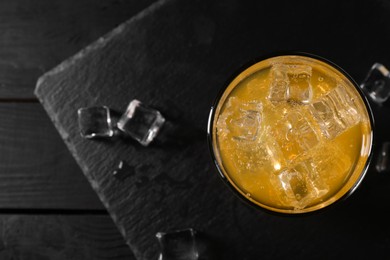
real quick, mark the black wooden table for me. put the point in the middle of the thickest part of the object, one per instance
(47, 208)
(175, 56)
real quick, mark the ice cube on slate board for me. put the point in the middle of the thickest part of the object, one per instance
(377, 83)
(141, 122)
(95, 122)
(178, 245)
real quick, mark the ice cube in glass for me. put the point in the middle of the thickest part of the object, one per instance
(241, 120)
(300, 185)
(295, 133)
(246, 125)
(290, 82)
(299, 87)
(279, 83)
(293, 187)
(335, 112)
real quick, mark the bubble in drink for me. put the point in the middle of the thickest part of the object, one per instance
(248, 157)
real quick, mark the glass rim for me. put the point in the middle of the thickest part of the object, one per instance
(212, 115)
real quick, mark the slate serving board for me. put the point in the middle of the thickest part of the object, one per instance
(175, 56)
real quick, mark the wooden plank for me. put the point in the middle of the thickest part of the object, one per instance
(37, 35)
(36, 169)
(61, 237)
(174, 184)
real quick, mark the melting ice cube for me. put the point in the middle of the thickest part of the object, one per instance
(249, 157)
(295, 134)
(247, 125)
(262, 155)
(307, 180)
(293, 184)
(317, 185)
(290, 82)
(300, 89)
(279, 83)
(301, 185)
(241, 119)
(253, 148)
(335, 112)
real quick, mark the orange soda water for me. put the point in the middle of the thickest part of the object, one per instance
(292, 134)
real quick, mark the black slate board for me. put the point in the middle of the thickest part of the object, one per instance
(175, 56)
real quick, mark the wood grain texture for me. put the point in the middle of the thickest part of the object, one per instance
(55, 237)
(36, 169)
(175, 56)
(37, 35)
